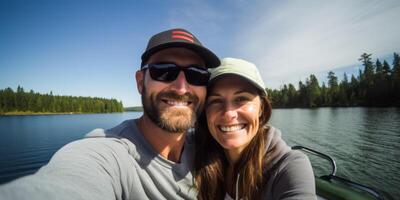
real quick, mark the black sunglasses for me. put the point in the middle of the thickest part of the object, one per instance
(168, 72)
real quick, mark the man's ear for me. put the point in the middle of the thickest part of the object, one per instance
(140, 80)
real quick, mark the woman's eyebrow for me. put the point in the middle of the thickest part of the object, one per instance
(237, 92)
(244, 91)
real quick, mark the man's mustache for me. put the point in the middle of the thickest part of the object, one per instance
(189, 97)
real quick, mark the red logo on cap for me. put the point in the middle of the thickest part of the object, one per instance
(182, 35)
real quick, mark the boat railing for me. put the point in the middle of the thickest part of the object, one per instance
(332, 176)
(319, 154)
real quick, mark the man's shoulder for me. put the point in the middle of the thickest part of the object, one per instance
(127, 126)
(95, 144)
(100, 139)
(98, 132)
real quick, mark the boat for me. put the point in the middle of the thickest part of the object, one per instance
(333, 187)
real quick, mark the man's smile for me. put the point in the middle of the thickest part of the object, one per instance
(176, 102)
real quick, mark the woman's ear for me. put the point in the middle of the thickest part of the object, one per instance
(262, 106)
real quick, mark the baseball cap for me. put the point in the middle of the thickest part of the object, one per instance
(179, 38)
(247, 70)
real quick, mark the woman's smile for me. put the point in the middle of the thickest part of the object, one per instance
(231, 128)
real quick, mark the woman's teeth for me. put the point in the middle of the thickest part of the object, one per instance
(231, 128)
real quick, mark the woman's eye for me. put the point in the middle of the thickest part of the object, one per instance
(242, 99)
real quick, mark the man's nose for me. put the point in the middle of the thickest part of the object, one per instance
(180, 84)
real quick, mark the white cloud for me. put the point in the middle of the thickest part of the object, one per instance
(291, 40)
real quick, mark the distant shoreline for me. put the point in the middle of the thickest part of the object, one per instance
(134, 109)
(30, 113)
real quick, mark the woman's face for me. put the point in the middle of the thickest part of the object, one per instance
(233, 110)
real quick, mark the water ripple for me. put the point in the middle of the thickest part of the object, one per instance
(365, 142)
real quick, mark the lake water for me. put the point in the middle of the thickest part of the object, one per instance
(365, 142)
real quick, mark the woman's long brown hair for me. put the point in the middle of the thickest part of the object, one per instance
(211, 163)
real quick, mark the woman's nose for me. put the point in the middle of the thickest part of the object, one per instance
(229, 111)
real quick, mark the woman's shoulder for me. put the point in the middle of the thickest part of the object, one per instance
(293, 160)
(291, 177)
(296, 155)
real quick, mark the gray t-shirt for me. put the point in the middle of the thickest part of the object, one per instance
(109, 164)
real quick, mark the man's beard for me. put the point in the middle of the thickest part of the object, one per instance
(171, 119)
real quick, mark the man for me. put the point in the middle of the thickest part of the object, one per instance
(145, 158)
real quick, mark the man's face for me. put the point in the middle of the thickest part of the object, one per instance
(173, 106)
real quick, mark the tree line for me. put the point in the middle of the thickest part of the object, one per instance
(33, 102)
(377, 85)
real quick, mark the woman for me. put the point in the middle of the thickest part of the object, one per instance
(238, 154)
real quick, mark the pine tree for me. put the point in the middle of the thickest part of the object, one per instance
(378, 66)
(284, 96)
(367, 80)
(324, 95)
(313, 92)
(302, 95)
(344, 91)
(396, 79)
(353, 97)
(292, 94)
(333, 89)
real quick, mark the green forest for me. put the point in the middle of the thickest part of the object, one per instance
(21, 102)
(377, 85)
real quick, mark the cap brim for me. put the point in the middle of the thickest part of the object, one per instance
(241, 76)
(210, 59)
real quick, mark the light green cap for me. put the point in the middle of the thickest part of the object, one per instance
(239, 67)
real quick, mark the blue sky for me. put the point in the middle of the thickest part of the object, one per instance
(93, 48)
